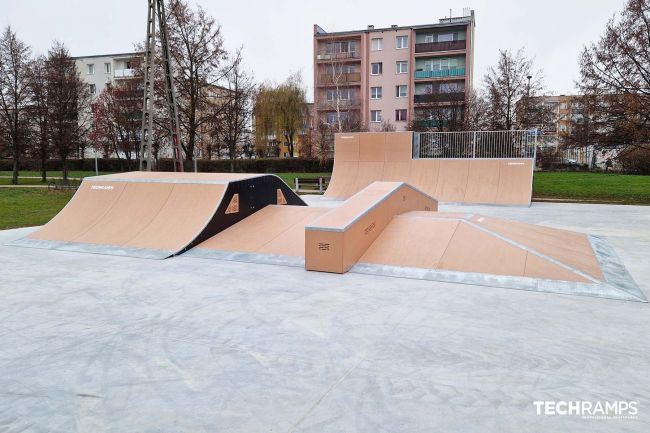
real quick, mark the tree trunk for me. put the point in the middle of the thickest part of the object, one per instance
(14, 176)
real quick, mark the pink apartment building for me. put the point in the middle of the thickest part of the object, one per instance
(394, 74)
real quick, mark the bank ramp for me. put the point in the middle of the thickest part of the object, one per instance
(156, 214)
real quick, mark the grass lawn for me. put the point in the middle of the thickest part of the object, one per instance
(598, 187)
(23, 207)
(72, 174)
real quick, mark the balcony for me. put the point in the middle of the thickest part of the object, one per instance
(124, 73)
(429, 98)
(458, 72)
(344, 104)
(347, 55)
(427, 123)
(432, 47)
(346, 78)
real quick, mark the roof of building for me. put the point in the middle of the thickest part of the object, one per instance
(444, 22)
(133, 54)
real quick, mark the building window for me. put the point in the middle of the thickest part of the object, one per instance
(375, 116)
(91, 69)
(375, 93)
(400, 115)
(402, 42)
(107, 68)
(92, 88)
(377, 44)
(343, 94)
(402, 67)
(400, 91)
(376, 68)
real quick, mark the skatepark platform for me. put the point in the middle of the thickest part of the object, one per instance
(392, 229)
(156, 215)
(363, 158)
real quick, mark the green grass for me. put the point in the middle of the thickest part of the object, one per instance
(290, 178)
(24, 207)
(72, 174)
(597, 187)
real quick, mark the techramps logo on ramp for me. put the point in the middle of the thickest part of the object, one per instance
(102, 187)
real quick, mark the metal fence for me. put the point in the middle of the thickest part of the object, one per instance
(475, 144)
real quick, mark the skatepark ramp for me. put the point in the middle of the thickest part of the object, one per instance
(392, 229)
(464, 167)
(156, 215)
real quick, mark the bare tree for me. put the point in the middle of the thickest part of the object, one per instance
(507, 85)
(198, 53)
(14, 94)
(235, 114)
(615, 81)
(39, 112)
(69, 116)
(117, 119)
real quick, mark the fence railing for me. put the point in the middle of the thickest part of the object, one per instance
(475, 144)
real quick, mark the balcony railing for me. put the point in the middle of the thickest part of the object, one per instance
(439, 97)
(348, 77)
(343, 104)
(124, 73)
(427, 123)
(431, 47)
(458, 72)
(338, 56)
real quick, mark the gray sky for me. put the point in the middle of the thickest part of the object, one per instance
(277, 34)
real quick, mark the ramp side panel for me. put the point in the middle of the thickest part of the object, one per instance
(483, 181)
(372, 147)
(515, 182)
(88, 205)
(537, 267)
(181, 219)
(137, 207)
(346, 147)
(452, 180)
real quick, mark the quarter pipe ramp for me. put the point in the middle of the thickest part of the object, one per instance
(156, 215)
(362, 158)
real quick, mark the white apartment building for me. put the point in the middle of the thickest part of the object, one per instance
(102, 70)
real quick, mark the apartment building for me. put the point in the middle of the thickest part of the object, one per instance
(395, 75)
(102, 70)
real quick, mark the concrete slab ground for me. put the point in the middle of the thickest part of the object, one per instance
(94, 343)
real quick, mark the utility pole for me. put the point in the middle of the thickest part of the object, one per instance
(156, 10)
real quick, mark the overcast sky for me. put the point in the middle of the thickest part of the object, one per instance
(277, 34)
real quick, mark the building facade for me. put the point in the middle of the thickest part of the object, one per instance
(100, 71)
(387, 78)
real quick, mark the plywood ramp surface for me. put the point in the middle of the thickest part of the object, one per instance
(362, 158)
(456, 242)
(156, 215)
(336, 240)
(273, 230)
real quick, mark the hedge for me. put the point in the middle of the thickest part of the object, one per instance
(266, 165)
